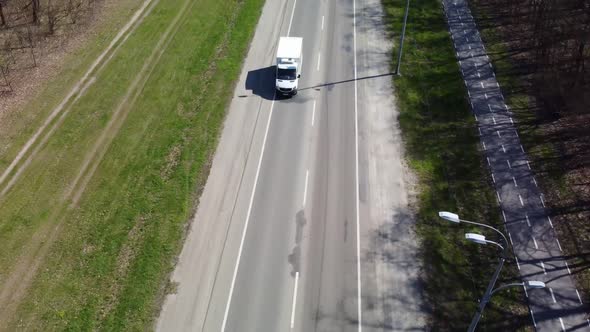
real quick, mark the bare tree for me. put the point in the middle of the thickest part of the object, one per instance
(35, 8)
(4, 72)
(2, 17)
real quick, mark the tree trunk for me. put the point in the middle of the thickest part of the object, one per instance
(2, 18)
(35, 6)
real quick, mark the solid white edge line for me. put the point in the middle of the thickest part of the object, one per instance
(533, 317)
(294, 300)
(233, 282)
(305, 188)
(322, 22)
(356, 142)
(291, 20)
(313, 114)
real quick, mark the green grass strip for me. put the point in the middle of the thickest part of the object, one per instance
(442, 148)
(109, 266)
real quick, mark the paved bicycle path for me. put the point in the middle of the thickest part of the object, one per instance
(536, 246)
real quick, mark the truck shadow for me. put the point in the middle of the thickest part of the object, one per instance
(262, 82)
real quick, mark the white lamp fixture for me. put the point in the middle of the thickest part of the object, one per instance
(535, 284)
(449, 216)
(477, 238)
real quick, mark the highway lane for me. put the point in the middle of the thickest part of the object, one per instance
(298, 230)
(210, 249)
(329, 296)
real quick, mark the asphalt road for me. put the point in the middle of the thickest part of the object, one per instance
(303, 224)
(536, 246)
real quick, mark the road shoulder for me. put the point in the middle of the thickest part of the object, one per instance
(391, 284)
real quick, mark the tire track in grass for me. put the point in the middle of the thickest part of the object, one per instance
(120, 114)
(22, 275)
(73, 96)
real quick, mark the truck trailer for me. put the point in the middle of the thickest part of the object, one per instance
(289, 60)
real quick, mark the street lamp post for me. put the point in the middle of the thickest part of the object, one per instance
(401, 42)
(477, 238)
(489, 291)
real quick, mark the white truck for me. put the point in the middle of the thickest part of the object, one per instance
(289, 60)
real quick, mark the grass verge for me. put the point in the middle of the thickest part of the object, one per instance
(442, 147)
(107, 268)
